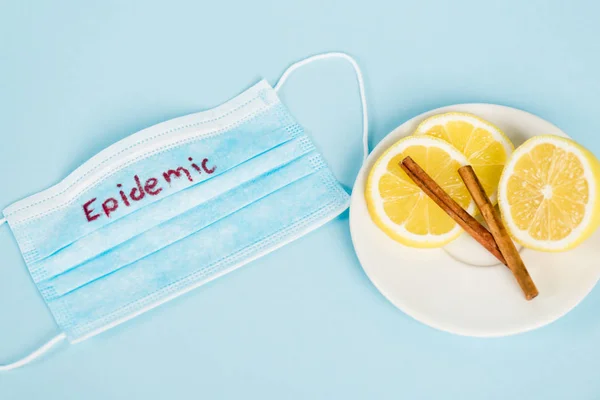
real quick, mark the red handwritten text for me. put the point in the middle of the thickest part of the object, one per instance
(150, 187)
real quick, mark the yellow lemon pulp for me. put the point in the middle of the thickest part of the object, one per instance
(400, 208)
(485, 146)
(548, 193)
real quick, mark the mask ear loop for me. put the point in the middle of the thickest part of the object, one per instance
(361, 88)
(34, 355)
(37, 353)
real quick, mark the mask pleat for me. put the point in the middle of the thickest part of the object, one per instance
(223, 151)
(220, 246)
(178, 228)
(110, 236)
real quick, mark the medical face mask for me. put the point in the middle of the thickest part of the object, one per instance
(172, 207)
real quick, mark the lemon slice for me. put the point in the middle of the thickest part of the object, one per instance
(400, 208)
(484, 145)
(549, 194)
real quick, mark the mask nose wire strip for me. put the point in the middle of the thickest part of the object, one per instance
(361, 88)
(34, 355)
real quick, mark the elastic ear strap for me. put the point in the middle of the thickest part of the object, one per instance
(34, 355)
(3, 221)
(361, 88)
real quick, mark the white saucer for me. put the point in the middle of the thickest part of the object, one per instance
(434, 287)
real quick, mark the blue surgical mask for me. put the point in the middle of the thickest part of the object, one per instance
(172, 207)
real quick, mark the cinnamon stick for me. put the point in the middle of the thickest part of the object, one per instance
(451, 207)
(499, 232)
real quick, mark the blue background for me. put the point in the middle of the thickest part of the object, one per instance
(303, 322)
